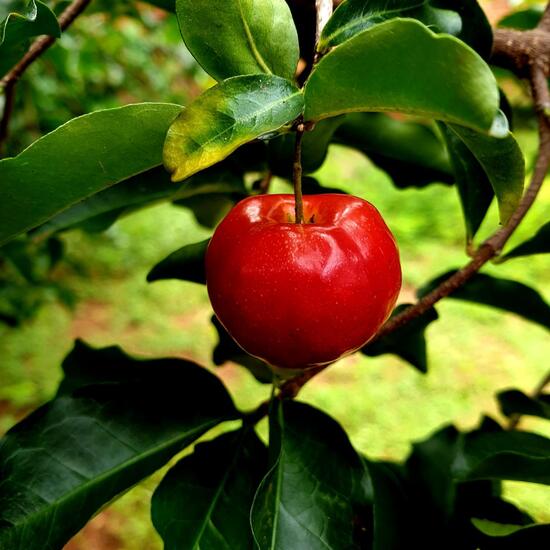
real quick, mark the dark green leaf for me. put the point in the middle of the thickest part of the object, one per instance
(240, 37)
(407, 342)
(19, 21)
(513, 537)
(462, 18)
(226, 116)
(500, 293)
(434, 491)
(391, 507)
(186, 264)
(474, 188)
(209, 210)
(504, 455)
(400, 65)
(429, 465)
(514, 402)
(307, 500)
(228, 350)
(524, 19)
(79, 159)
(314, 148)
(503, 163)
(204, 501)
(537, 244)
(115, 421)
(410, 152)
(103, 208)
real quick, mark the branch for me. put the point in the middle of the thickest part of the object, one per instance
(488, 249)
(9, 101)
(37, 48)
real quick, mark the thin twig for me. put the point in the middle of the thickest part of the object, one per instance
(265, 182)
(537, 392)
(297, 175)
(489, 249)
(9, 102)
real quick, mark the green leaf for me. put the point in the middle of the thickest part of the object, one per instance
(474, 188)
(186, 264)
(20, 21)
(401, 65)
(504, 455)
(226, 116)
(500, 293)
(228, 350)
(142, 190)
(494, 529)
(537, 244)
(434, 490)
(314, 148)
(307, 500)
(115, 421)
(204, 501)
(407, 342)
(513, 537)
(209, 210)
(410, 152)
(513, 402)
(463, 18)
(503, 163)
(391, 507)
(524, 19)
(240, 37)
(79, 159)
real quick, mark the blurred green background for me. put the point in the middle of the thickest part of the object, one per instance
(98, 291)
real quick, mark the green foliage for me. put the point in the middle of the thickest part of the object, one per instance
(410, 152)
(114, 421)
(314, 490)
(20, 21)
(500, 293)
(515, 402)
(242, 37)
(204, 501)
(367, 72)
(504, 166)
(98, 150)
(227, 116)
(463, 18)
(408, 342)
(537, 244)
(186, 264)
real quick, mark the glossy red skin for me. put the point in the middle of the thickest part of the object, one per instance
(302, 295)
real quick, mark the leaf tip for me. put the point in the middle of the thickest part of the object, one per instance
(500, 127)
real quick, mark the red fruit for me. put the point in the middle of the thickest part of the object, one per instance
(302, 295)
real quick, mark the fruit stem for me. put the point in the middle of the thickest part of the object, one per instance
(297, 174)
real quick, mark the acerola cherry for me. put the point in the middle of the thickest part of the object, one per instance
(302, 295)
